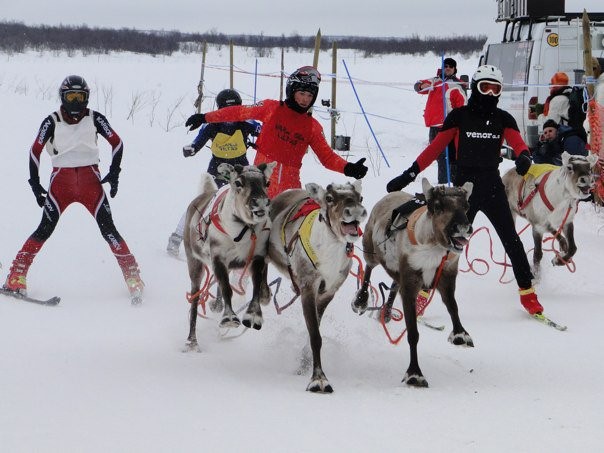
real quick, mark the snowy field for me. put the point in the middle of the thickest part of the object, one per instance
(95, 374)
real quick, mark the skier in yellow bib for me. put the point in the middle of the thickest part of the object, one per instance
(230, 142)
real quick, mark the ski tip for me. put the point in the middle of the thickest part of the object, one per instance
(545, 320)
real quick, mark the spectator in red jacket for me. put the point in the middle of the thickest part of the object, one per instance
(288, 129)
(433, 113)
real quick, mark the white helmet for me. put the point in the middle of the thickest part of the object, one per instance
(488, 72)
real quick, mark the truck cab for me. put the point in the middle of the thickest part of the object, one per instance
(537, 39)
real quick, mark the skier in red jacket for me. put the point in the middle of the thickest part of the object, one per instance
(288, 130)
(70, 136)
(454, 97)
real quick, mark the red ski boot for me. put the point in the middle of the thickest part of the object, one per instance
(529, 301)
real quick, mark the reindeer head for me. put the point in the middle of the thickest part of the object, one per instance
(341, 207)
(580, 179)
(448, 207)
(248, 186)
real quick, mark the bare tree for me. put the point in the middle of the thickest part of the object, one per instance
(154, 101)
(170, 111)
(138, 102)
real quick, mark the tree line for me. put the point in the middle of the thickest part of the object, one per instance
(16, 37)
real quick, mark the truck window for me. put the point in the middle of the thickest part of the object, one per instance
(513, 60)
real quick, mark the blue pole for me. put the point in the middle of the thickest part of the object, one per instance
(444, 89)
(364, 114)
(255, 79)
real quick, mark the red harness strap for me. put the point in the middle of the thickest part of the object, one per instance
(539, 188)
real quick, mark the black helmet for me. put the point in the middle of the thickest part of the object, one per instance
(305, 78)
(228, 97)
(74, 93)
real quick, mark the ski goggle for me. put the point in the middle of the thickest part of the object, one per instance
(308, 75)
(489, 86)
(75, 96)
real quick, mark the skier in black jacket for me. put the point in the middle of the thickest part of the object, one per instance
(230, 142)
(479, 130)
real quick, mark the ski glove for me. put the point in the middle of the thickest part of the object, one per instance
(195, 120)
(189, 151)
(523, 163)
(39, 191)
(112, 178)
(402, 181)
(356, 170)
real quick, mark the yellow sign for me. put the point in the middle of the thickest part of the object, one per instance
(552, 39)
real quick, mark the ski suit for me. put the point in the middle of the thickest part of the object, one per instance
(73, 150)
(478, 138)
(284, 138)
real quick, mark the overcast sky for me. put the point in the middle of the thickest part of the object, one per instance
(273, 17)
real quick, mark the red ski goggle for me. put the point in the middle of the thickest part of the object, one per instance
(488, 86)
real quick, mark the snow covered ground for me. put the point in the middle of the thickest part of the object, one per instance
(95, 374)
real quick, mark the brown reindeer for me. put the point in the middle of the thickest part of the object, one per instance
(549, 202)
(412, 249)
(311, 241)
(229, 229)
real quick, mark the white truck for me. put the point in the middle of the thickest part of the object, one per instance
(538, 39)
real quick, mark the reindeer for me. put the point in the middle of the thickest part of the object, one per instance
(413, 250)
(229, 229)
(548, 200)
(311, 241)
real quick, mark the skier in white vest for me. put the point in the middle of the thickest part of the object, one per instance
(70, 138)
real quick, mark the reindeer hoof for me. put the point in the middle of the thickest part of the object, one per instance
(558, 261)
(319, 386)
(252, 320)
(461, 339)
(191, 346)
(359, 304)
(230, 321)
(415, 380)
(216, 305)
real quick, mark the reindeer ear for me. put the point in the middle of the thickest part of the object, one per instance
(315, 191)
(565, 158)
(427, 188)
(267, 169)
(358, 186)
(468, 186)
(225, 170)
(592, 159)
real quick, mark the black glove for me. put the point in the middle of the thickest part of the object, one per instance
(402, 181)
(113, 179)
(38, 190)
(189, 151)
(356, 170)
(195, 120)
(523, 163)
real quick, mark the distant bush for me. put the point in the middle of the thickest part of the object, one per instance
(16, 37)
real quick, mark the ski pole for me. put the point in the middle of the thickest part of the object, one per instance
(444, 89)
(365, 114)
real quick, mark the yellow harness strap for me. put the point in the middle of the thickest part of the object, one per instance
(536, 170)
(304, 232)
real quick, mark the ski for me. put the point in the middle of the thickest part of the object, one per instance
(421, 320)
(548, 322)
(52, 301)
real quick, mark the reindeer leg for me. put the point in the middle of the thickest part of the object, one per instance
(537, 253)
(217, 305)
(359, 304)
(265, 291)
(387, 308)
(318, 382)
(413, 376)
(253, 314)
(446, 287)
(195, 274)
(569, 247)
(229, 318)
